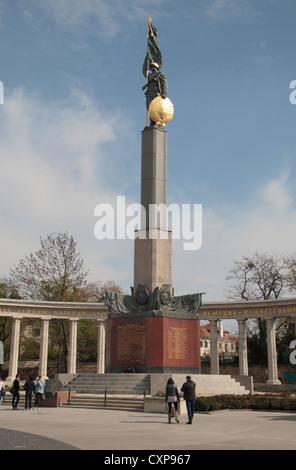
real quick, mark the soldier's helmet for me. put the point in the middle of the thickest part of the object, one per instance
(155, 65)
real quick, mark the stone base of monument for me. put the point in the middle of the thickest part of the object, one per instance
(158, 405)
(153, 343)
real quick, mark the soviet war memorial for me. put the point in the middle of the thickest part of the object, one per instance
(157, 316)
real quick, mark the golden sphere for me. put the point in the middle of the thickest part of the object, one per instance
(161, 111)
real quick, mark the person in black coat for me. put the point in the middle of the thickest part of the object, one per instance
(15, 392)
(172, 399)
(29, 388)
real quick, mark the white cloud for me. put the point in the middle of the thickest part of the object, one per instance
(52, 174)
(267, 223)
(97, 16)
(276, 192)
(51, 141)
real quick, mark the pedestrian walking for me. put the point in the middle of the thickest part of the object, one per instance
(172, 399)
(188, 388)
(39, 391)
(2, 391)
(29, 389)
(15, 390)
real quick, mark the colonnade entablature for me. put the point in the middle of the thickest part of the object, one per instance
(212, 312)
(46, 311)
(245, 310)
(49, 310)
(270, 310)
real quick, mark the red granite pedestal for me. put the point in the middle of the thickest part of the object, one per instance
(153, 344)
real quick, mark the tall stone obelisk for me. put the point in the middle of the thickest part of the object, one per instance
(152, 329)
(153, 245)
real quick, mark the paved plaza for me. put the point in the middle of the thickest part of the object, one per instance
(91, 429)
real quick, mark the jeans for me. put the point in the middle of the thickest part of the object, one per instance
(190, 409)
(15, 398)
(38, 398)
(28, 399)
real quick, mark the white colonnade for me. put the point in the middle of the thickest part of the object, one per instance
(243, 352)
(44, 312)
(14, 348)
(212, 312)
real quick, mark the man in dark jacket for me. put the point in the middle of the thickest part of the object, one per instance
(188, 388)
(15, 392)
(29, 388)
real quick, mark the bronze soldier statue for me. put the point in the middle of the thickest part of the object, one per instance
(156, 86)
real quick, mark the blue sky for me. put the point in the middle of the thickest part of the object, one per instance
(74, 110)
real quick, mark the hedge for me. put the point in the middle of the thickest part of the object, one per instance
(244, 402)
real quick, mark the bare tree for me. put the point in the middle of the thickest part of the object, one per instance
(94, 291)
(54, 272)
(291, 272)
(258, 277)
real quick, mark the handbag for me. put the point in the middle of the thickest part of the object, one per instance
(172, 399)
(12, 390)
(2, 391)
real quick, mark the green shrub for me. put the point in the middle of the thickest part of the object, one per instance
(243, 402)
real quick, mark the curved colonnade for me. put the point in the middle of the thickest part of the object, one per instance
(240, 311)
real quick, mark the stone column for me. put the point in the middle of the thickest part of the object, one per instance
(72, 347)
(101, 347)
(153, 243)
(43, 348)
(214, 347)
(154, 174)
(14, 349)
(242, 347)
(271, 353)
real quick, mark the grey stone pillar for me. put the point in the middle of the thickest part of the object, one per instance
(72, 347)
(14, 349)
(271, 353)
(101, 347)
(214, 347)
(153, 244)
(43, 348)
(242, 347)
(154, 172)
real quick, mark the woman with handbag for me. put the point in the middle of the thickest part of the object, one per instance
(172, 399)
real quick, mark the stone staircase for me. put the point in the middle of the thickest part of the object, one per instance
(114, 384)
(206, 384)
(109, 391)
(123, 403)
(127, 391)
(219, 385)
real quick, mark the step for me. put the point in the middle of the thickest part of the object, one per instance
(111, 403)
(134, 384)
(109, 390)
